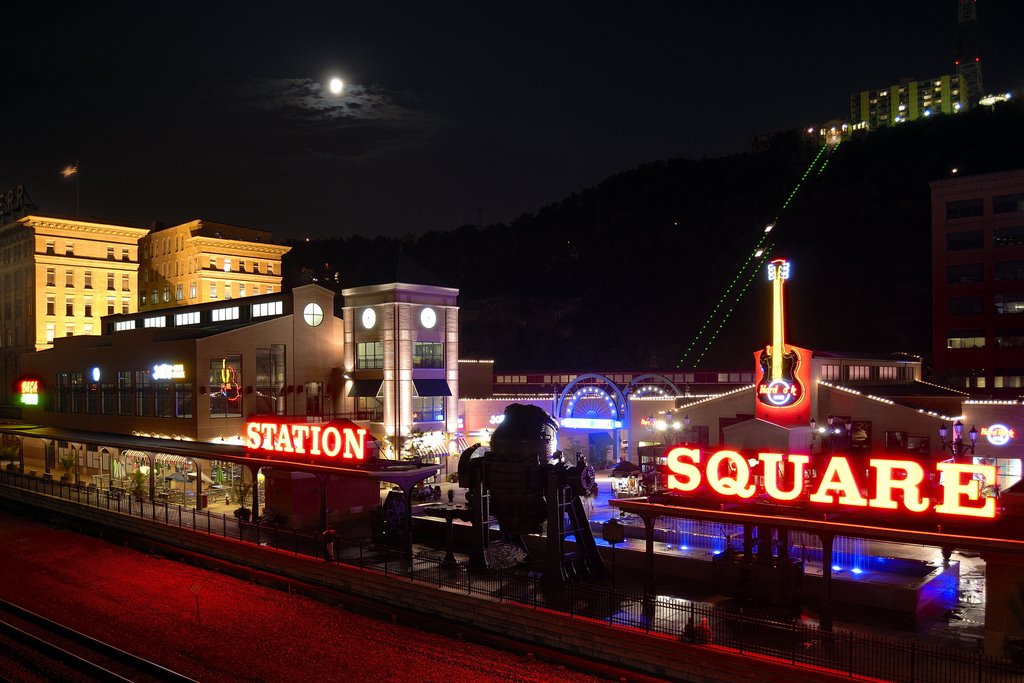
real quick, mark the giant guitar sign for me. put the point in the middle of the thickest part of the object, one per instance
(782, 372)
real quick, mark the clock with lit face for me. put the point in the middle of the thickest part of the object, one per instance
(428, 318)
(369, 318)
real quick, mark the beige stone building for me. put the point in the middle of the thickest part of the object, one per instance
(201, 261)
(58, 277)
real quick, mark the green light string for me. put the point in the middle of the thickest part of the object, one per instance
(743, 268)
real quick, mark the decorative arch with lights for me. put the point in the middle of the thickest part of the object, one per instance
(592, 401)
(652, 385)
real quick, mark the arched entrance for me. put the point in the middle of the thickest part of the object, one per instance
(593, 405)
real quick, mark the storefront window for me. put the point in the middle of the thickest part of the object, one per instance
(226, 386)
(184, 398)
(143, 393)
(270, 379)
(428, 408)
(124, 392)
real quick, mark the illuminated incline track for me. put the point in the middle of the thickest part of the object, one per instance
(747, 272)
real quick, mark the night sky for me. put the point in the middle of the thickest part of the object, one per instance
(452, 113)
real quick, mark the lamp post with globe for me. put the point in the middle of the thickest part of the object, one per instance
(957, 446)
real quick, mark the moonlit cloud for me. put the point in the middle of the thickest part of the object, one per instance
(309, 100)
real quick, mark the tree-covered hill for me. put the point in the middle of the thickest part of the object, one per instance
(622, 275)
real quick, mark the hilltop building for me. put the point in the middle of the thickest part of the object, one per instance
(909, 100)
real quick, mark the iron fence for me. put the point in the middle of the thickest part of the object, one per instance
(848, 652)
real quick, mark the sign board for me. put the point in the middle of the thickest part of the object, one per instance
(955, 489)
(326, 441)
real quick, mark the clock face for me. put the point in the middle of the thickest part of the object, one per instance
(428, 318)
(369, 318)
(313, 314)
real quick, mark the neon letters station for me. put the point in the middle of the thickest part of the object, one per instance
(898, 484)
(329, 441)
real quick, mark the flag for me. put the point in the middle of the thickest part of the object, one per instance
(70, 170)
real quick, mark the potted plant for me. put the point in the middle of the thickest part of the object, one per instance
(67, 461)
(9, 453)
(137, 484)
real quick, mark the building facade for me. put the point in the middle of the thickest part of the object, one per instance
(907, 101)
(402, 363)
(978, 283)
(59, 277)
(202, 261)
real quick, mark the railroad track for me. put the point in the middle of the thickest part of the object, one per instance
(37, 648)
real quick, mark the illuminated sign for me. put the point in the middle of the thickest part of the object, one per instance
(168, 371)
(496, 419)
(997, 434)
(590, 423)
(897, 483)
(29, 390)
(95, 374)
(783, 371)
(338, 438)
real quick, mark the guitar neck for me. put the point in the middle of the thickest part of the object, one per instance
(778, 333)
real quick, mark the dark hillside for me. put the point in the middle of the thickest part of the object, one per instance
(623, 274)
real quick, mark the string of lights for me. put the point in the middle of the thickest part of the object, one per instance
(759, 256)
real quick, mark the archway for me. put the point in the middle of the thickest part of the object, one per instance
(594, 403)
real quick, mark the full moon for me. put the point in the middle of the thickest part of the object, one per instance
(336, 86)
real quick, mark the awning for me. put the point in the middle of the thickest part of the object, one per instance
(365, 387)
(431, 387)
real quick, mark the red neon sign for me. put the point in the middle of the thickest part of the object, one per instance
(898, 483)
(338, 438)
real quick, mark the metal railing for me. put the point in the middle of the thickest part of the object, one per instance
(848, 652)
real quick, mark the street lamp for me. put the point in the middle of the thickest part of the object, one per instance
(830, 435)
(957, 446)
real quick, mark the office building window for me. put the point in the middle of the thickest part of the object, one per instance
(190, 318)
(369, 355)
(87, 310)
(1009, 304)
(1009, 270)
(110, 305)
(965, 305)
(51, 305)
(51, 247)
(125, 305)
(179, 292)
(110, 281)
(155, 321)
(427, 355)
(51, 277)
(69, 278)
(87, 277)
(1008, 203)
(268, 308)
(110, 253)
(965, 339)
(965, 208)
(966, 272)
(213, 290)
(1009, 339)
(1008, 237)
(124, 283)
(962, 241)
(125, 254)
(858, 372)
(218, 315)
(227, 265)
